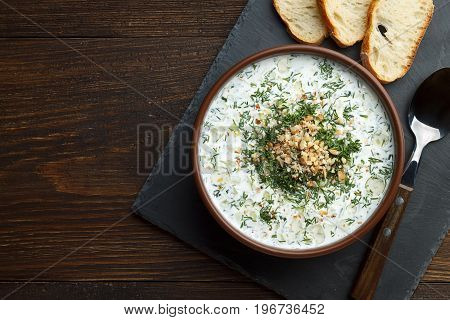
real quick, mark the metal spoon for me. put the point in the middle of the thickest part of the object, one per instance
(429, 120)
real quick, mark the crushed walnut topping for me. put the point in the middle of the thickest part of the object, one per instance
(299, 148)
(301, 153)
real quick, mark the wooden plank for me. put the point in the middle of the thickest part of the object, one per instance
(439, 269)
(137, 290)
(435, 291)
(68, 166)
(165, 290)
(116, 18)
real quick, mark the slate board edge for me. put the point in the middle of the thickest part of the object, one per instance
(427, 263)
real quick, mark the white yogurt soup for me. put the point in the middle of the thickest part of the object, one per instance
(296, 151)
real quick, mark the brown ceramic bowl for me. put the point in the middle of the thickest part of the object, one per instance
(398, 164)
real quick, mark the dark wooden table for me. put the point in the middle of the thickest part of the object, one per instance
(70, 108)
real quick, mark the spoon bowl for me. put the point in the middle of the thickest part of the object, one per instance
(431, 103)
(429, 117)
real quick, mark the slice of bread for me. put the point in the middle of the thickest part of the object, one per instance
(395, 30)
(346, 20)
(303, 20)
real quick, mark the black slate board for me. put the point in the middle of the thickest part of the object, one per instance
(169, 198)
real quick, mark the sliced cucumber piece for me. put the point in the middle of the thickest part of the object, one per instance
(376, 185)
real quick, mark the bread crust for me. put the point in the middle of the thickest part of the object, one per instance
(331, 30)
(291, 33)
(365, 50)
(365, 44)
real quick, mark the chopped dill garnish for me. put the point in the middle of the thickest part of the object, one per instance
(214, 157)
(266, 214)
(267, 166)
(326, 69)
(205, 137)
(244, 220)
(374, 160)
(349, 221)
(347, 112)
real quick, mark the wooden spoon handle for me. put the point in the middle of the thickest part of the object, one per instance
(367, 281)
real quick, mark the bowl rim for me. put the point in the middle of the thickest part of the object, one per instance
(377, 214)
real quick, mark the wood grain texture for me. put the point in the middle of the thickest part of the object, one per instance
(68, 162)
(139, 290)
(146, 290)
(435, 291)
(439, 269)
(118, 18)
(69, 146)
